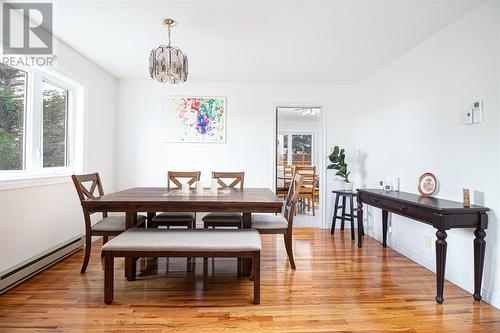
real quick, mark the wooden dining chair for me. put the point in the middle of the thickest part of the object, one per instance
(307, 190)
(282, 191)
(282, 224)
(108, 225)
(225, 180)
(177, 219)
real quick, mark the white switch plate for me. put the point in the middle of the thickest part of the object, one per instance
(468, 117)
(428, 242)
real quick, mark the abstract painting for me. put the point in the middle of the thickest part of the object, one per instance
(195, 119)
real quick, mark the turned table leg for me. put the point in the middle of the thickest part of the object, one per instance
(385, 218)
(441, 246)
(479, 249)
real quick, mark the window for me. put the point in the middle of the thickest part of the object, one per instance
(55, 121)
(37, 123)
(13, 84)
(296, 148)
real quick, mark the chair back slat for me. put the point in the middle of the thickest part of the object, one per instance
(175, 176)
(85, 193)
(292, 198)
(309, 174)
(223, 177)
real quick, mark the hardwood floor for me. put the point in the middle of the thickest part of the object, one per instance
(336, 287)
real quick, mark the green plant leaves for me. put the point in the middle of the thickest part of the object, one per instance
(337, 158)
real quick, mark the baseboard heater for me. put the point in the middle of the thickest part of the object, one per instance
(13, 276)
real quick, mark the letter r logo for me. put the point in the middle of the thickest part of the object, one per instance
(27, 28)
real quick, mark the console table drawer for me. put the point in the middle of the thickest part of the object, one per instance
(393, 206)
(399, 208)
(372, 201)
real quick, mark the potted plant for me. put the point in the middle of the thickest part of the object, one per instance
(337, 157)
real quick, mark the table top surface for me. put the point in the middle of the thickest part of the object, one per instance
(428, 202)
(174, 195)
(343, 192)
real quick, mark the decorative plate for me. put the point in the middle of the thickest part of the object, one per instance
(427, 184)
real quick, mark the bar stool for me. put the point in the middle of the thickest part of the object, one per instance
(346, 216)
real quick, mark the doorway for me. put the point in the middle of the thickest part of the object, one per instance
(298, 149)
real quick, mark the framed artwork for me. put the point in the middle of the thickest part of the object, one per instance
(427, 184)
(195, 119)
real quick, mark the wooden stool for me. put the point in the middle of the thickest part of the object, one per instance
(345, 216)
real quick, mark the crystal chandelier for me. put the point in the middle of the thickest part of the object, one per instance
(168, 63)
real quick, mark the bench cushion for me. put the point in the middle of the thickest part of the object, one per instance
(172, 240)
(115, 223)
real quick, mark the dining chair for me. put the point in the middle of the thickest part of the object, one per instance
(307, 191)
(225, 180)
(177, 219)
(282, 224)
(108, 225)
(282, 191)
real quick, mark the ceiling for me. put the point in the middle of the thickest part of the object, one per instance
(285, 41)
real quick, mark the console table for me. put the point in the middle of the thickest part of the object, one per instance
(439, 213)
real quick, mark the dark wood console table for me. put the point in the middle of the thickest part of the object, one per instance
(442, 215)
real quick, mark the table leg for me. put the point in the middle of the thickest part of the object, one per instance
(441, 246)
(335, 211)
(130, 263)
(246, 263)
(385, 218)
(360, 223)
(351, 207)
(150, 218)
(479, 249)
(342, 223)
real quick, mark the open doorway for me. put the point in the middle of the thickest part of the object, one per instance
(298, 149)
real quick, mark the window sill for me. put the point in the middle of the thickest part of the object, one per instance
(26, 181)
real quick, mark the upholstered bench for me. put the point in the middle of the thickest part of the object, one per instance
(239, 243)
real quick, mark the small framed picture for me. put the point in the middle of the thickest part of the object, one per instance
(427, 184)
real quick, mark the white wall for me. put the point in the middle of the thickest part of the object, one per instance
(143, 158)
(34, 219)
(410, 122)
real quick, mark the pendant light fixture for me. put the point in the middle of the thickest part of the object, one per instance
(168, 63)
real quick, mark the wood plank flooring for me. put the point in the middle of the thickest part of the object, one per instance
(336, 287)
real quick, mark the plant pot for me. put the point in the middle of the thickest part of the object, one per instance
(348, 186)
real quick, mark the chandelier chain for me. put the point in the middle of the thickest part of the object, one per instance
(168, 35)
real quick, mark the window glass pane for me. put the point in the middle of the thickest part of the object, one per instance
(301, 149)
(55, 114)
(282, 149)
(12, 112)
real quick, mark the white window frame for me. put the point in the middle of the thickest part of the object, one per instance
(33, 170)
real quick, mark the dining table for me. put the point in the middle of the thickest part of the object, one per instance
(161, 199)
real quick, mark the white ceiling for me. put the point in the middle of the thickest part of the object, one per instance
(286, 41)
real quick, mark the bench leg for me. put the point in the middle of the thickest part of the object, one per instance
(108, 277)
(256, 278)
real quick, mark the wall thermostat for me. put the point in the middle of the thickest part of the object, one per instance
(477, 111)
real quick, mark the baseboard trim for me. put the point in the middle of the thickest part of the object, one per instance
(17, 274)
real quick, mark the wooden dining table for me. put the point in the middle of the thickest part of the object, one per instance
(161, 199)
